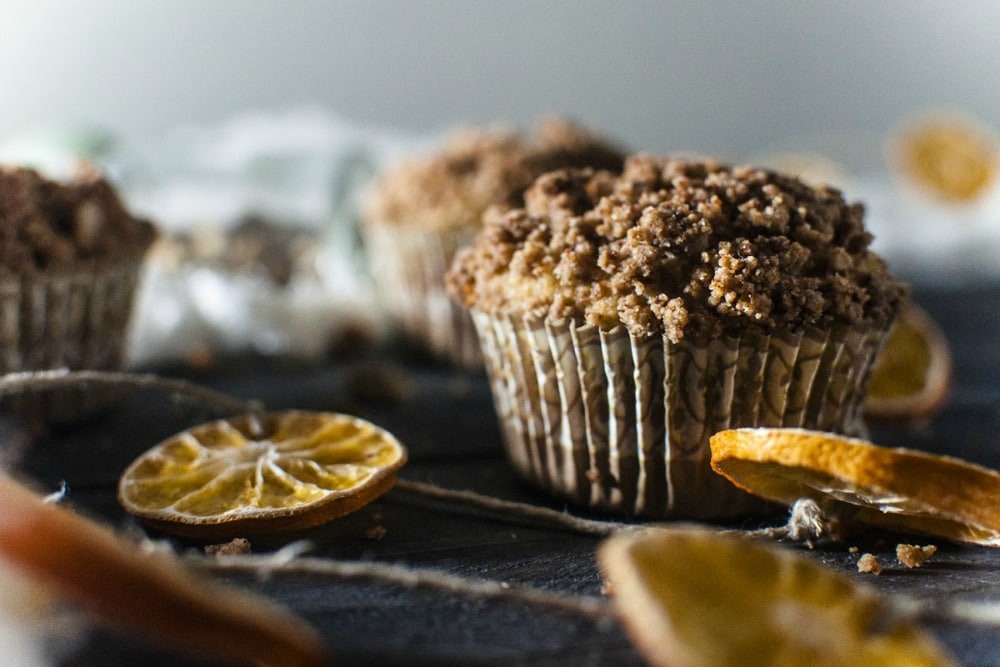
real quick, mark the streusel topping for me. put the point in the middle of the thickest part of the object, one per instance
(46, 224)
(678, 247)
(476, 168)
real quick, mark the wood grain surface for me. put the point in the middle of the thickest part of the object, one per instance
(446, 420)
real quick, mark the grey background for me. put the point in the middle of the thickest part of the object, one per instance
(722, 77)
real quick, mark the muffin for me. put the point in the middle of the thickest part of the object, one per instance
(70, 257)
(625, 319)
(420, 212)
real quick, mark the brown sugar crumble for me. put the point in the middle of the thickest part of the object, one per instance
(375, 533)
(478, 167)
(680, 248)
(912, 555)
(47, 225)
(868, 564)
(238, 546)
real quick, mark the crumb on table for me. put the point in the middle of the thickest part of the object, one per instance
(238, 546)
(912, 555)
(868, 564)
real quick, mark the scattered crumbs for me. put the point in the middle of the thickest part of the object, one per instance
(375, 533)
(239, 546)
(868, 564)
(853, 550)
(912, 555)
(504, 585)
(380, 382)
(200, 358)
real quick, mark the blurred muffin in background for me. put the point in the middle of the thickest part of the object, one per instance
(418, 213)
(625, 319)
(70, 262)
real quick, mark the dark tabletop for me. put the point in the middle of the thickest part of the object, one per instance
(446, 420)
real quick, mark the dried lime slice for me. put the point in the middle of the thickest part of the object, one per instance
(695, 598)
(261, 473)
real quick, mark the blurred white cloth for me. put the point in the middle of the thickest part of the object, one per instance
(301, 168)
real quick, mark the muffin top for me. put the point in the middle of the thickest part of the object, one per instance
(680, 248)
(475, 168)
(48, 225)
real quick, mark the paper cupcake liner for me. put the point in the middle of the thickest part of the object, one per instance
(408, 268)
(619, 423)
(73, 319)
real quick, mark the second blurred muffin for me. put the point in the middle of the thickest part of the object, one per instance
(71, 256)
(419, 213)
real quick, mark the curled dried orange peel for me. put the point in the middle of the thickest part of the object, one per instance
(898, 489)
(694, 598)
(261, 473)
(912, 374)
(77, 560)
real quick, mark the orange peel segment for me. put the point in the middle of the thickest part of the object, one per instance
(694, 598)
(77, 560)
(912, 374)
(895, 488)
(263, 473)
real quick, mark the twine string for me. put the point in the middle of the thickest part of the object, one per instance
(62, 378)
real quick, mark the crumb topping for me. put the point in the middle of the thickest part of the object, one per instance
(238, 546)
(476, 168)
(913, 555)
(46, 224)
(868, 564)
(677, 247)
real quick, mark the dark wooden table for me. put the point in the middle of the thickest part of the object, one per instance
(446, 420)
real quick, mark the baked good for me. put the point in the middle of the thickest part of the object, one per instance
(70, 258)
(625, 319)
(422, 210)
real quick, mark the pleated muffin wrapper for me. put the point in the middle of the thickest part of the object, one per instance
(620, 423)
(408, 266)
(68, 318)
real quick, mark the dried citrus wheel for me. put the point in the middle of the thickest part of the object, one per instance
(73, 559)
(693, 598)
(900, 489)
(261, 473)
(912, 374)
(949, 155)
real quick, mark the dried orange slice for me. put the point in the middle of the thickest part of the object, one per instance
(261, 473)
(899, 489)
(693, 598)
(73, 559)
(949, 155)
(912, 374)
